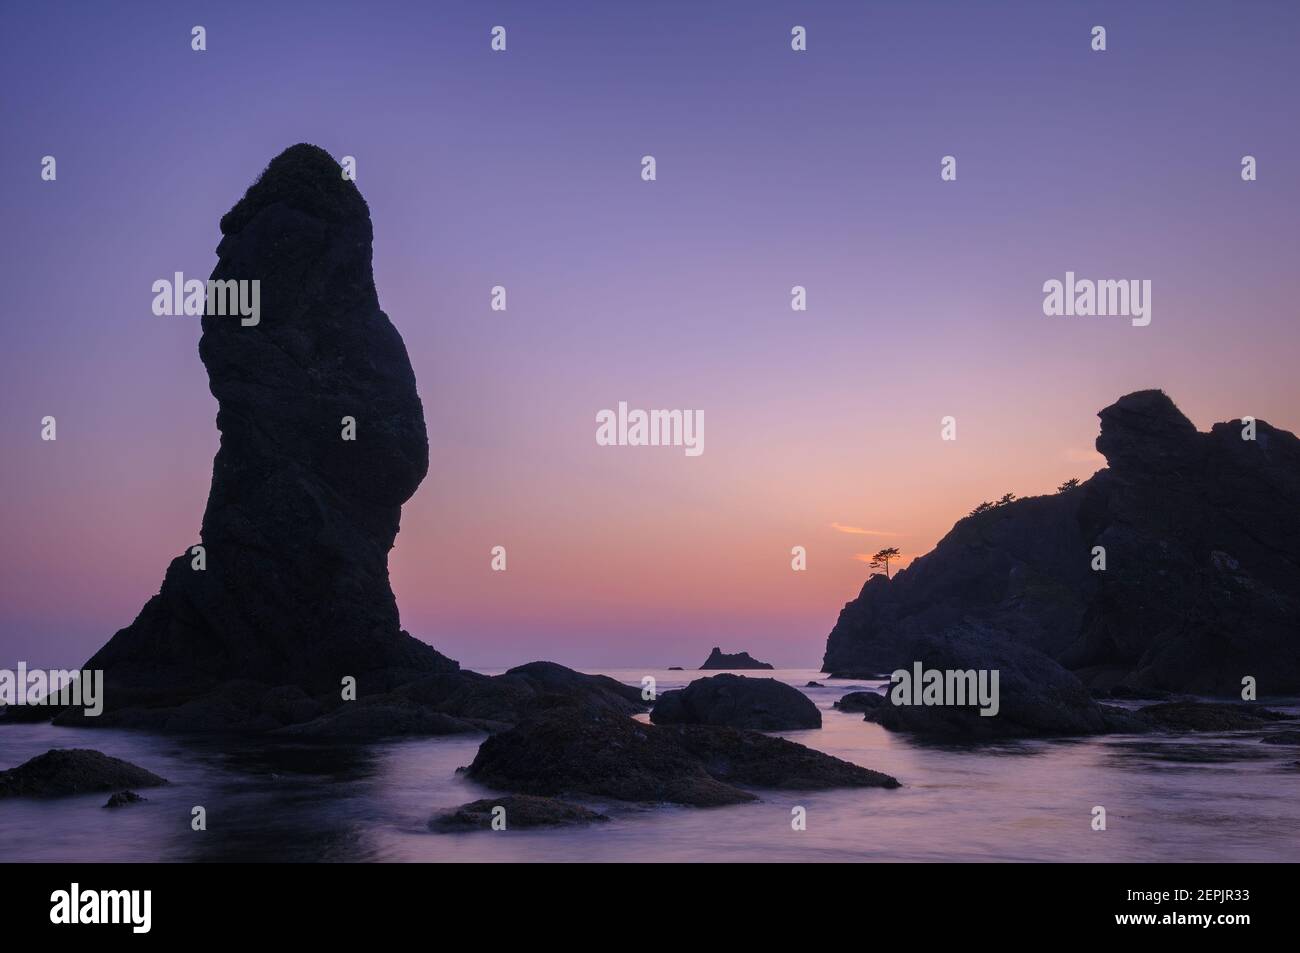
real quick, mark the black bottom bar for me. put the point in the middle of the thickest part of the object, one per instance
(332, 902)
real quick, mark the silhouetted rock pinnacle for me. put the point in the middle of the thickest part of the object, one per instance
(299, 521)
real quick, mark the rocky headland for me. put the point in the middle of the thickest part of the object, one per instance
(1200, 535)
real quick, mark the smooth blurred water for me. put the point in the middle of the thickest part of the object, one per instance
(1177, 798)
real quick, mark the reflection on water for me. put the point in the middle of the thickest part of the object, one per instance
(1219, 797)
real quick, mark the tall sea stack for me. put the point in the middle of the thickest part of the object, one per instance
(294, 589)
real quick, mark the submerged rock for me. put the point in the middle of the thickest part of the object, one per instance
(762, 704)
(294, 583)
(1282, 738)
(1201, 533)
(718, 659)
(64, 771)
(123, 798)
(521, 811)
(858, 674)
(569, 751)
(1138, 694)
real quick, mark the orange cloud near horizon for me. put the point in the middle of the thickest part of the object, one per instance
(860, 531)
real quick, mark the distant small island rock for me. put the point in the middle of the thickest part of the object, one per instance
(719, 659)
(123, 798)
(760, 704)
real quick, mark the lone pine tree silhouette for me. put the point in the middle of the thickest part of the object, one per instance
(299, 521)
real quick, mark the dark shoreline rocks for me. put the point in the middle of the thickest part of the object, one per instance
(1035, 696)
(442, 703)
(740, 660)
(571, 751)
(735, 701)
(65, 771)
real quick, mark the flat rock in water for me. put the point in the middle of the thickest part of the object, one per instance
(521, 811)
(67, 771)
(755, 760)
(761, 704)
(571, 751)
(860, 701)
(1208, 716)
(123, 798)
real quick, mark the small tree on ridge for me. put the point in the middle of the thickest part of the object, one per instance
(883, 557)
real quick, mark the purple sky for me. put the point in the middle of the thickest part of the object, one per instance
(775, 168)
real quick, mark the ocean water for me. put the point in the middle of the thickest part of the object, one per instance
(1223, 797)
